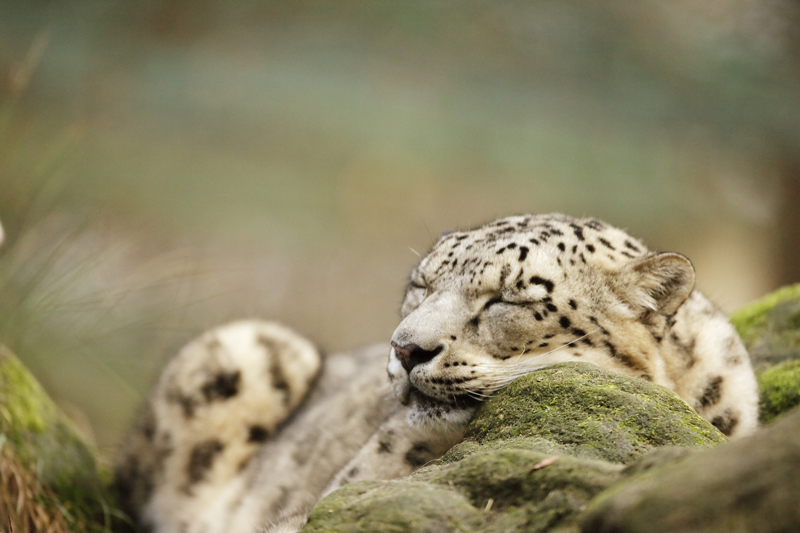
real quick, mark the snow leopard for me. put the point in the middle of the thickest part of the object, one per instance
(250, 425)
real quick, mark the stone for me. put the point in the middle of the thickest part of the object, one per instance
(532, 459)
(50, 475)
(770, 328)
(751, 484)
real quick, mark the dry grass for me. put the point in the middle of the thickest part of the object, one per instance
(26, 506)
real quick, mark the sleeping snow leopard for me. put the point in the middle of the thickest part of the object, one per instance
(249, 426)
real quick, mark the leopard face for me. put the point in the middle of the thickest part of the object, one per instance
(524, 292)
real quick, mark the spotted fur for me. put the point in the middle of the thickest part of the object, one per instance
(525, 292)
(247, 427)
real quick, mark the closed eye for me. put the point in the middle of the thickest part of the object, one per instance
(499, 300)
(492, 302)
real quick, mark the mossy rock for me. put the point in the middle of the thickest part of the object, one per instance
(779, 389)
(770, 327)
(63, 486)
(395, 506)
(534, 456)
(457, 496)
(590, 412)
(750, 484)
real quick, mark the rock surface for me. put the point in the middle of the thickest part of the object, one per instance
(751, 484)
(770, 328)
(49, 478)
(532, 457)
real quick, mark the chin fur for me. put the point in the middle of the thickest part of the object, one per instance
(427, 412)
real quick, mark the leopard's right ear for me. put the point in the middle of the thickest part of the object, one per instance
(656, 282)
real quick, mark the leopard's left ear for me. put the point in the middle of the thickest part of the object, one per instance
(656, 282)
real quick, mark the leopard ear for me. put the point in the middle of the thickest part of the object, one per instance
(656, 282)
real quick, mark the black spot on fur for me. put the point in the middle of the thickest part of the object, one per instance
(578, 332)
(512, 246)
(712, 392)
(538, 316)
(552, 308)
(187, 403)
(534, 242)
(606, 244)
(631, 246)
(418, 455)
(257, 434)
(561, 246)
(595, 224)
(572, 304)
(726, 422)
(623, 358)
(564, 322)
(590, 248)
(225, 385)
(202, 458)
(384, 446)
(523, 253)
(578, 231)
(543, 345)
(353, 472)
(275, 369)
(541, 281)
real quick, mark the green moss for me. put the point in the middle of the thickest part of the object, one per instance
(752, 319)
(23, 403)
(394, 507)
(43, 442)
(469, 447)
(591, 412)
(506, 476)
(779, 388)
(744, 485)
(454, 497)
(590, 418)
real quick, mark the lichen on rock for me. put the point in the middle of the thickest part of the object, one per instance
(49, 476)
(779, 389)
(591, 412)
(746, 485)
(533, 457)
(770, 328)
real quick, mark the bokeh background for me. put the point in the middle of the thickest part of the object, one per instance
(168, 165)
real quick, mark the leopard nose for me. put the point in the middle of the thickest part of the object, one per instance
(412, 355)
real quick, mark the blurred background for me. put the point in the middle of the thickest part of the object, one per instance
(168, 165)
